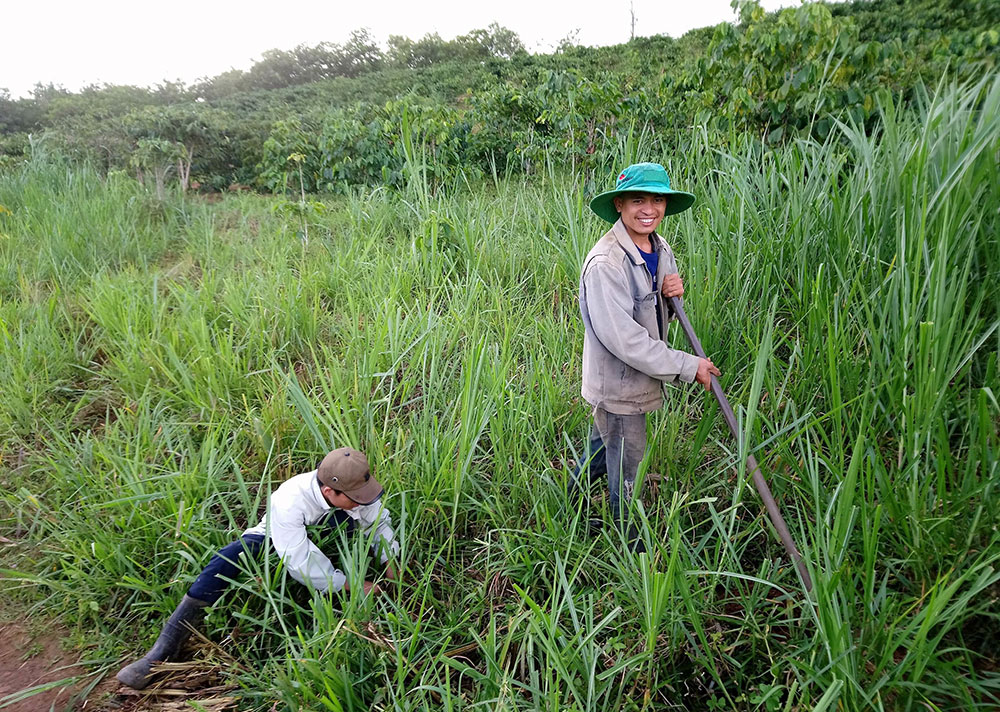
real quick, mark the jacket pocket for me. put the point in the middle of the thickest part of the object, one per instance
(645, 303)
(644, 312)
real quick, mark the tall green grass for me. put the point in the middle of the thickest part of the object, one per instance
(165, 365)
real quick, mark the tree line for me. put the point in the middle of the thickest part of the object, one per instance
(355, 113)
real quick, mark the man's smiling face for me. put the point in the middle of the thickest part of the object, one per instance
(641, 212)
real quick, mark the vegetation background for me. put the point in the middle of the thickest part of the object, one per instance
(402, 278)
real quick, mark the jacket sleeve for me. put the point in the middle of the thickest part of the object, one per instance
(302, 559)
(377, 523)
(610, 305)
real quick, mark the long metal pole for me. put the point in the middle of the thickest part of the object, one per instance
(758, 479)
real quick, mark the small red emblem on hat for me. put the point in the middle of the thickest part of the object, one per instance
(621, 177)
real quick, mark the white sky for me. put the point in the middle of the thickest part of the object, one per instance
(78, 42)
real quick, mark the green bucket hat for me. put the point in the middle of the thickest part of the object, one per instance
(641, 178)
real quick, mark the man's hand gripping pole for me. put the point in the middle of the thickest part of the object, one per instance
(758, 479)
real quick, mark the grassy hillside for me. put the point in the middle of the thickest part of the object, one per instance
(166, 363)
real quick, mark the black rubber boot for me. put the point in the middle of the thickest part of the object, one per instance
(625, 525)
(635, 542)
(178, 627)
(593, 466)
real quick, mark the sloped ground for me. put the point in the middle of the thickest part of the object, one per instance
(28, 660)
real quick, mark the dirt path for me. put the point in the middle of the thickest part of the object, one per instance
(29, 658)
(27, 661)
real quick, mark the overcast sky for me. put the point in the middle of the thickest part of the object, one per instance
(85, 42)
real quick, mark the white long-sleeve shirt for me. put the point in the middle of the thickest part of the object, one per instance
(298, 503)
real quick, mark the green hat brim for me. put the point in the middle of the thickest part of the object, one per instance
(604, 204)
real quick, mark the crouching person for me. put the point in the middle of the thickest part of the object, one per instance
(340, 494)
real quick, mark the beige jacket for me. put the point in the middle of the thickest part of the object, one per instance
(625, 359)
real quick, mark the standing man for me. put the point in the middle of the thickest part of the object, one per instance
(341, 495)
(624, 286)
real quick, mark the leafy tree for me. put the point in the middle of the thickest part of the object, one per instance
(494, 42)
(780, 70)
(364, 145)
(304, 64)
(18, 116)
(193, 132)
(361, 54)
(222, 85)
(428, 50)
(157, 156)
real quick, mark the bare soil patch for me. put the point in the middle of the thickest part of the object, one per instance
(28, 660)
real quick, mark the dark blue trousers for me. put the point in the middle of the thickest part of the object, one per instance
(214, 579)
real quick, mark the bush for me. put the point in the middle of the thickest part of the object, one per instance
(366, 145)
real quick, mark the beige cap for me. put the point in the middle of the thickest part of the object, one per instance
(346, 470)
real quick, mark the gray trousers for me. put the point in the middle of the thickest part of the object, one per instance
(624, 438)
(617, 446)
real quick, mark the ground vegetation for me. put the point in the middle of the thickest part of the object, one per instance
(167, 358)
